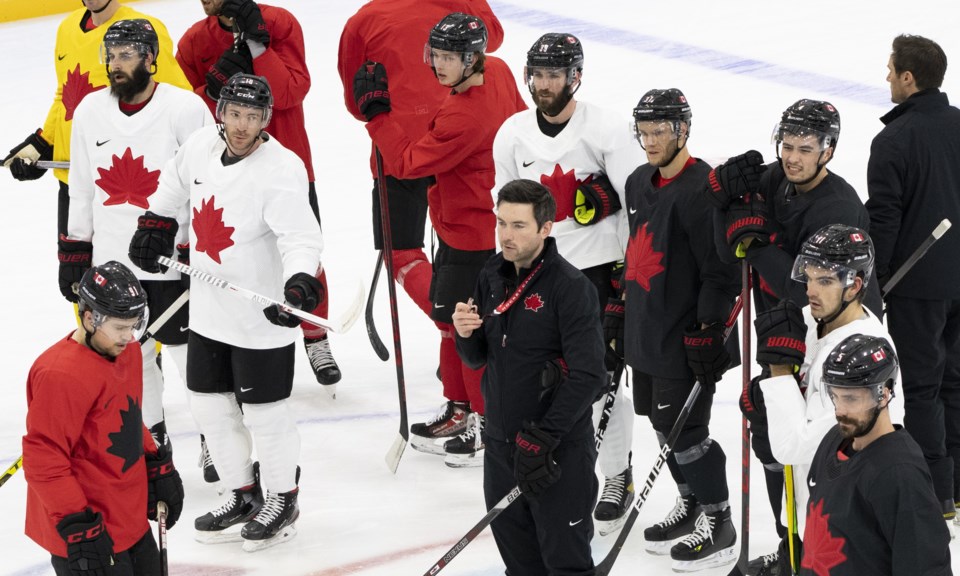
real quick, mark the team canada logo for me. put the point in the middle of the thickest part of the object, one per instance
(99, 280)
(533, 302)
(878, 356)
(856, 237)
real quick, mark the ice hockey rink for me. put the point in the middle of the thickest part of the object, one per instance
(740, 63)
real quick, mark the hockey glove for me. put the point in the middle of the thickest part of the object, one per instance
(735, 178)
(616, 277)
(370, 89)
(752, 405)
(183, 257)
(707, 355)
(747, 218)
(302, 291)
(74, 256)
(781, 336)
(155, 237)
(553, 374)
(163, 485)
(248, 18)
(533, 463)
(89, 546)
(613, 333)
(231, 62)
(23, 157)
(595, 200)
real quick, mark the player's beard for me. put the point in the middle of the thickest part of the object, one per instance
(133, 85)
(556, 106)
(858, 428)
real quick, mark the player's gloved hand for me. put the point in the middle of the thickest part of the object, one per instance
(747, 218)
(74, 257)
(89, 546)
(781, 335)
(155, 237)
(163, 485)
(616, 277)
(707, 355)
(231, 62)
(734, 178)
(246, 14)
(613, 333)
(23, 157)
(302, 291)
(751, 403)
(533, 463)
(553, 374)
(370, 89)
(183, 257)
(595, 200)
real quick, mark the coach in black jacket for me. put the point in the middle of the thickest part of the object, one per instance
(534, 322)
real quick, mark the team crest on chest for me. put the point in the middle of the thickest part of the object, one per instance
(533, 302)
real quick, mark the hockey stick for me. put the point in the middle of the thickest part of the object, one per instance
(47, 164)
(162, 536)
(604, 567)
(473, 532)
(609, 399)
(372, 334)
(939, 231)
(792, 526)
(172, 309)
(11, 470)
(346, 321)
(400, 444)
(740, 568)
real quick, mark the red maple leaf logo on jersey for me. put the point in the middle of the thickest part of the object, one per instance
(643, 262)
(533, 302)
(821, 551)
(212, 236)
(563, 186)
(75, 89)
(128, 180)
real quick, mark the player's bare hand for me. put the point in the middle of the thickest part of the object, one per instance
(466, 319)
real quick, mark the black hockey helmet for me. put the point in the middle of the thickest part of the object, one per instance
(847, 250)
(663, 105)
(457, 32)
(816, 117)
(138, 32)
(246, 90)
(861, 361)
(556, 50)
(111, 291)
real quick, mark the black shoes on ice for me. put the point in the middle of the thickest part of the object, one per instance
(615, 500)
(679, 523)
(712, 544)
(221, 524)
(274, 523)
(450, 421)
(324, 366)
(466, 449)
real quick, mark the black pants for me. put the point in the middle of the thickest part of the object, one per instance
(548, 534)
(141, 559)
(408, 212)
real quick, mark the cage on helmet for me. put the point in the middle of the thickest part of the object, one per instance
(861, 361)
(111, 290)
(246, 90)
(839, 248)
(457, 32)
(138, 32)
(810, 118)
(555, 51)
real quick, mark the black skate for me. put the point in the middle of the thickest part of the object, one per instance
(449, 422)
(775, 564)
(678, 523)
(324, 366)
(466, 450)
(614, 502)
(210, 475)
(712, 544)
(223, 524)
(274, 524)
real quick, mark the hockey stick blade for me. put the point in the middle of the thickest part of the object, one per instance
(172, 309)
(474, 532)
(372, 334)
(346, 321)
(395, 453)
(939, 231)
(11, 470)
(162, 536)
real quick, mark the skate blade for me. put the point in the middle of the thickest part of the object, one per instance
(605, 527)
(428, 445)
(330, 389)
(659, 548)
(287, 533)
(224, 536)
(464, 460)
(715, 560)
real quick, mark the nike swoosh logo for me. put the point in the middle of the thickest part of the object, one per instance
(812, 482)
(633, 210)
(246, 389)
(99, 143)
(184, 329)
(577, 522)
(439, 305)
(528, 164)
(197, 181)
(61, 56)
(662, 406)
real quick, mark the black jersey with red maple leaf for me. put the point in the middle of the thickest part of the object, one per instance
(874, 512)
(673, 277)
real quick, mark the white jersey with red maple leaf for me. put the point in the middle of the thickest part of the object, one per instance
(251, 224)
(116, 165)
(594, 141)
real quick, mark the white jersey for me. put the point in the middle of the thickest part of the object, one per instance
(594, 141)
(251, 224)
(798, 422)
(115, 163)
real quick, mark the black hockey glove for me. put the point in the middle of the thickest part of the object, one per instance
(595, 200)
(747, 217)
(23, 157)
(752, 405)
(232, 61)
(89, 546)
(370, 89)
(246, 14)
(155, 237)
(734, 178)
(302, 291)
(163, 485)
(183, 257)
(553, 374)
(616, 277)
(533, 463)
(781, 335)
(613, 333)
(707, 355)
(74, 257)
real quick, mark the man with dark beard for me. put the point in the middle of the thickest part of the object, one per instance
(121, 139)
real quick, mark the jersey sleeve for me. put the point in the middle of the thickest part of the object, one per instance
(52, 122)
(504, 157)
(190, 118)
(287, 213)
(719, 282)
(794, 437)
(284, 63)
(173, 190)
(351, 54)
(81, 180)
(885, 174)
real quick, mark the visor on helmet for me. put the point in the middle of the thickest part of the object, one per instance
(844, 274)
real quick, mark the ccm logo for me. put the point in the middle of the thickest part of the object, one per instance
(154, 223)
(786, 342)
(691, 341)
(527, 445)
(85, 535)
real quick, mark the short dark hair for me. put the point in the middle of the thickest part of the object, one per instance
(530, 192)
(922, 57)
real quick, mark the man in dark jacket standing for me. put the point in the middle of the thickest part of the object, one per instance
(534, 322)
(913, 180)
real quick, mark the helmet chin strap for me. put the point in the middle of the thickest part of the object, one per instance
(235, 154)
(677, 151)
(102, 9)
(822, 322)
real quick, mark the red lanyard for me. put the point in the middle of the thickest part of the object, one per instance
(506, 304)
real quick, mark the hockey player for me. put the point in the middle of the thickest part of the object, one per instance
(530, 309)
(251, 225)
(905, 205)
(674, 329)
(835, 265)
(872, 506)
(245, 36)
(80, 72)
(121, 139)
(579, 151)
(457, 150)
(92, 468)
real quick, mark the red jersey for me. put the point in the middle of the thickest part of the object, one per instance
(458, 150)
(85, 442)
(284, 66)
(394, 32)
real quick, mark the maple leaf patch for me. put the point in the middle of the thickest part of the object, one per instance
(821, 551)
(563, 186)
(127, 443)
(533, 302)
(128, 180)
(643, 262)
(213, 236)
(75, 89)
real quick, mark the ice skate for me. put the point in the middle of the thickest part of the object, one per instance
(615, 500)
(770, 564)
(324, 366)
(274, 524)
(678, 523)
(713, 543)
(450, 421)
(224, 523)
(466, 450)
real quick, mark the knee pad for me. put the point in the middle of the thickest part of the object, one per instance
(690, 438)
